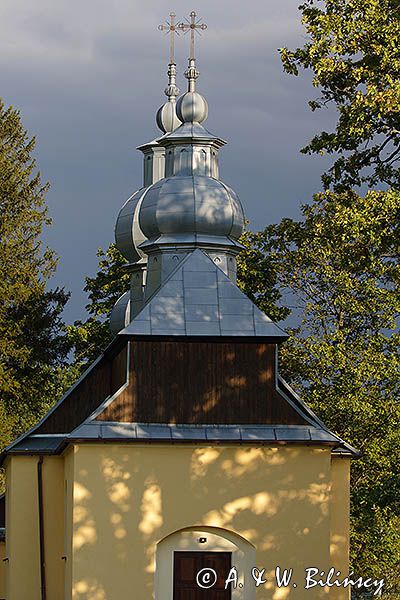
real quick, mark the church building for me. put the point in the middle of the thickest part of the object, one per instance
(180, 459)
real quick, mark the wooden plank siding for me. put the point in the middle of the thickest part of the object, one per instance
(201, 382)
(104, 380)
(180, 381)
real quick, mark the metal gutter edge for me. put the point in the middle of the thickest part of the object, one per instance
(205, 442)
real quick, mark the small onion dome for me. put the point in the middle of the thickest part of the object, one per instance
(191, 205)
(128, 234)
(120, 314)
(166, 117)
(192, 107)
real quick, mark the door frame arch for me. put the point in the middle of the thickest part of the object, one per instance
(217, 540)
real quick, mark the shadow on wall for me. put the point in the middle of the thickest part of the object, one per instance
(128, 498)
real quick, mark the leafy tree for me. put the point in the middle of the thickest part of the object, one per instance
(256, 275)
(33, 344)
(353, 51)
(342, 262)
(340, 268)
(91, 337)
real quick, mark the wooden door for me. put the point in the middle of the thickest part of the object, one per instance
(187, 565)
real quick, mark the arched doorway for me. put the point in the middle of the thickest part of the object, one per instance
(183, 554)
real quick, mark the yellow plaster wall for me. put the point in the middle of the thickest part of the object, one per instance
(127, 498)
(53, 509)
(2, 571)
(340, 520)
(69, 491)
(107, 506)
(22, 524)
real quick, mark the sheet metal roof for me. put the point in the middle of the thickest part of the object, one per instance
(104, 432)
(198, 299)
(39, 444)
(245, 434)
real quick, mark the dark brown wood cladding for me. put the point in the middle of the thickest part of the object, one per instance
(201, 382)
(104, 380)
(118, 369)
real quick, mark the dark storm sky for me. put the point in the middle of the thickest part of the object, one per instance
(88, 77)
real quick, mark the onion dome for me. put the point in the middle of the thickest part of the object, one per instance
(191, 206)
(166, 117)
(192, 107)
(191, 210)
(128, 234)
(120, 314)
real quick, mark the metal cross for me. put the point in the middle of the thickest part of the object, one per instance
(193, 26)
(170, 28)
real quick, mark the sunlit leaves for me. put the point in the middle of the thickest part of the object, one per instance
(338, 268)
(353, 50)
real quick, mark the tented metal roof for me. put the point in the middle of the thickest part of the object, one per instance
(198, 299)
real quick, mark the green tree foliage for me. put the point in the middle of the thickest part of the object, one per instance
(339, 270)
(341, 262)
(33, 344)
(256, 275)
(353, 51)
(89, 338)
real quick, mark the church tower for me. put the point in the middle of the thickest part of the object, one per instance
(180, 457)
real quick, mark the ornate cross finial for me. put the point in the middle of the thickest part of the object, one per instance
(170, 28)
(194, 27)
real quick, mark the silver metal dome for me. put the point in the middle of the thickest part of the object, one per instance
(120, 314)
(166, 117)
(128, 234)
(191, 205)
(192, 107)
